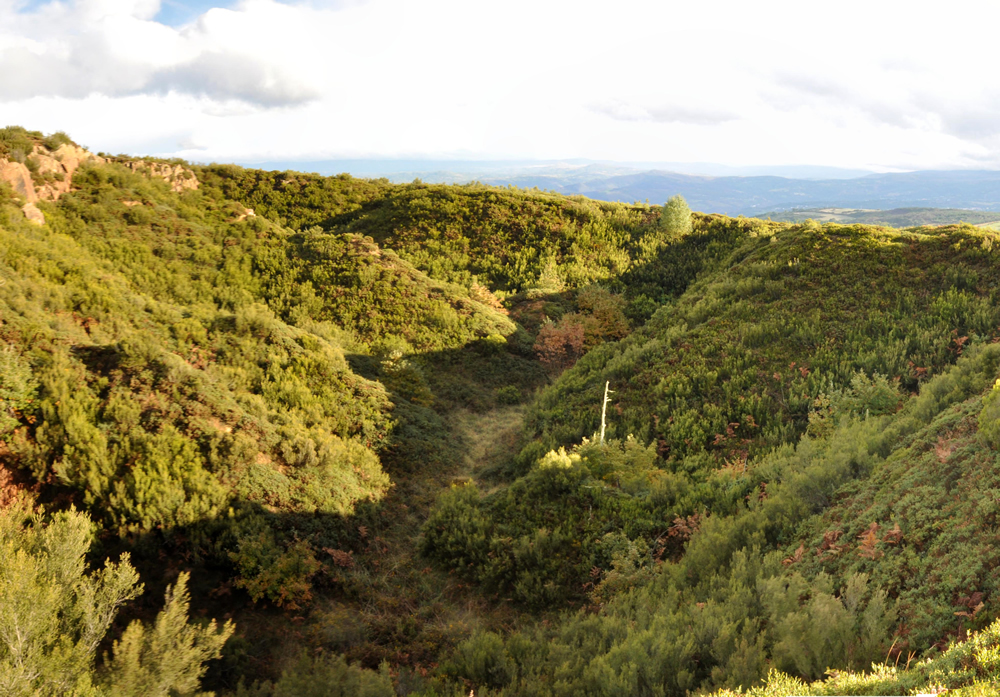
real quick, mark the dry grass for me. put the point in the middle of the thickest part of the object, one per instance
(488, 439)
(392, 604)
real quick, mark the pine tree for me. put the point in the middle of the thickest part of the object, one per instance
(676, 217)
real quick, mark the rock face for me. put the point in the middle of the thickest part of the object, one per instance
(179, 177)
(19, 178)
(53, 172)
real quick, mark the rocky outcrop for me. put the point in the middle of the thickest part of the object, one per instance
(48, 174)
(44, 176)
(179, 177)
(19, 178)
(56, 169)
(32, 213)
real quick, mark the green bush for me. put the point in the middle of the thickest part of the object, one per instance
(16, 143)
(989, 418)
(482, 660)
(268, 570)
(509, 394)
(324, 676)
(56, 140)
(18, 389)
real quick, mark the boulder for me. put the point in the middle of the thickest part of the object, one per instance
(18, 176)
(58, 168)
(32, 213)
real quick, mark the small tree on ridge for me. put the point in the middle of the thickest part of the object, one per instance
(676, 217)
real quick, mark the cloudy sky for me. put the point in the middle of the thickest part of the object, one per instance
(879, 85)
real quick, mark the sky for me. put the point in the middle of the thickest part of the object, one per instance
(873, 85)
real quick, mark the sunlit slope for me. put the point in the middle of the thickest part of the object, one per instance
(732, 367)
(503, 239)
(765, 585)
(746, 360)
(923, 526)
(162, 412)
(197, 247)
(185, 362)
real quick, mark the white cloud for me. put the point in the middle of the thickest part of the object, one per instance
(114, 48)
(853, 84)
(220, 76)
(665, 113)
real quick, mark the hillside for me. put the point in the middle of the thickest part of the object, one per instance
(359, 421)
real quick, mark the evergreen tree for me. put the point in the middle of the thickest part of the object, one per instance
(676, 217)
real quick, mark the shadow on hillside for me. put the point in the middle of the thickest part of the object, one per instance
(678, 263)
(426, 388)
(367, 560)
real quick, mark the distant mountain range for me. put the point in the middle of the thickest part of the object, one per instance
(895, 217)
(751, 191)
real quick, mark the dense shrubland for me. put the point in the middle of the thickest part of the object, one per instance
(770, 351)
(771, 584)
(296, 406)
(507, 240)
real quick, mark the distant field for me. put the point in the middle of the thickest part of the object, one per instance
(897, 217)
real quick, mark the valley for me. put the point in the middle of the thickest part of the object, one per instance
(343, 432)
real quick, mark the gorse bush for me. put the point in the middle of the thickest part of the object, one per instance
(18, 389)
(538, 540)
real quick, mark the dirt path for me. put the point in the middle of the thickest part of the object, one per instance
(393, 604)
(488, 438)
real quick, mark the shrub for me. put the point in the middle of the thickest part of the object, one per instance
(269, 570)
(989, 418)
(483, 661)
(324, 676)
(676, 217)
(18, 389)
(16, 143)
(56, 140)
(509, 394)
(559, 345)
(54, 615)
